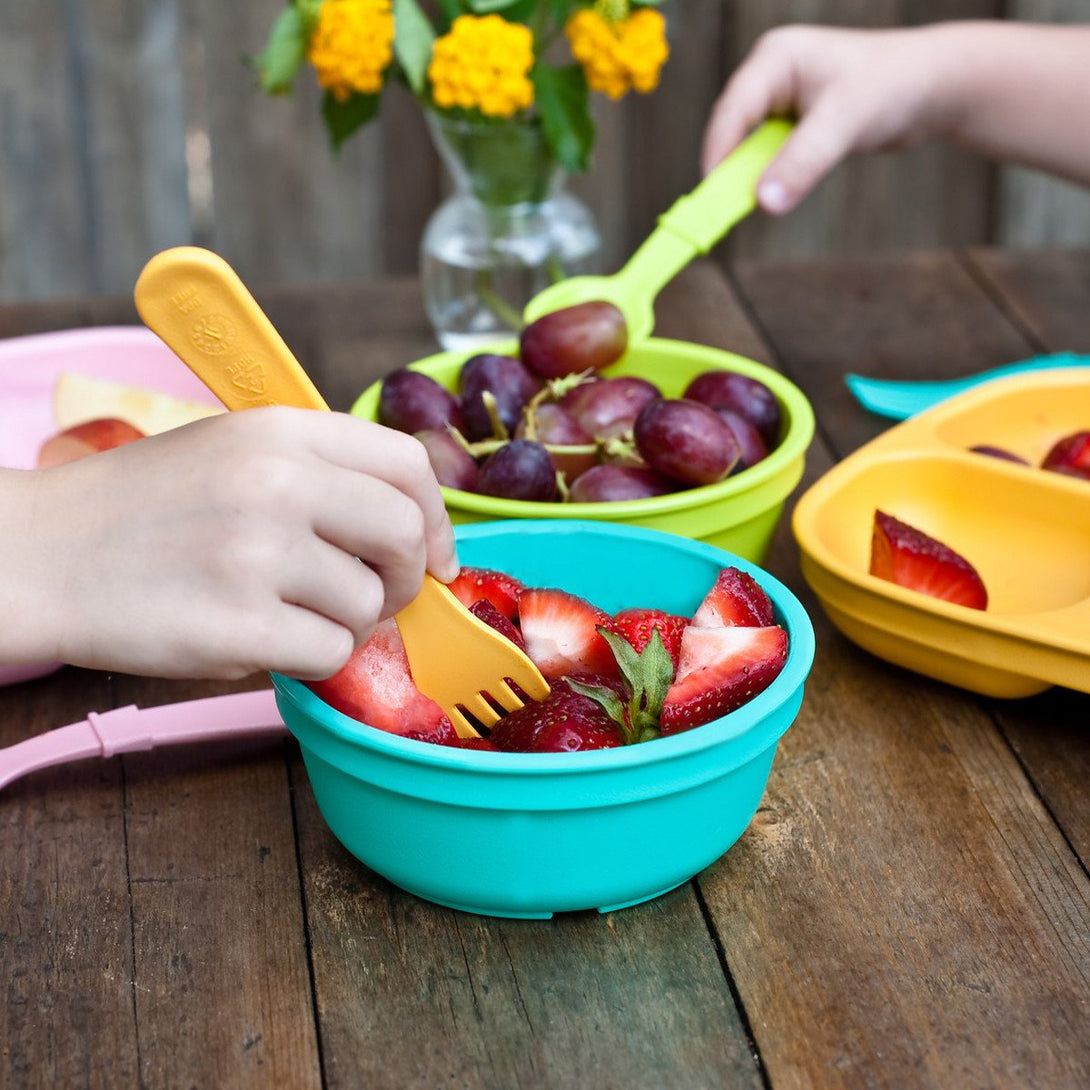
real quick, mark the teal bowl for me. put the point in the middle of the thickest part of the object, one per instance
(531, 834)
(739, 514)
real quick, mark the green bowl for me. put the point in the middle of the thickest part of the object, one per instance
(531, 834)
(739, 514)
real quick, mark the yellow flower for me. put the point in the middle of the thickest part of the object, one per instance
(483, 62)
(618, 54)
(352, 45)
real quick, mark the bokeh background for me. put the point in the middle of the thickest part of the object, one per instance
(127, 126)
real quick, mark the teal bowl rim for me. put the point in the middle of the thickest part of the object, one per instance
(729, 728)
(792, 448)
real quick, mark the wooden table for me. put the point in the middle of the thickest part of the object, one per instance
(910, 907)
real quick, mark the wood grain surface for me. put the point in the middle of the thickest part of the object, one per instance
(909, 908)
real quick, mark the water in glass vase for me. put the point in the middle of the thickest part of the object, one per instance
(481, 264)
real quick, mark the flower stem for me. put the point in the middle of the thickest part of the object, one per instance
(507, 314)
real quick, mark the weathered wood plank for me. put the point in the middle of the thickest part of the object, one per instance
(1047, 294)
(898, 978)
(68, 1016)
(223, 989)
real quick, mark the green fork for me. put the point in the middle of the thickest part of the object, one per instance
(691, 226)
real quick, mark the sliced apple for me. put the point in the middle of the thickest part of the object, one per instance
(90, 437)
(78, 398)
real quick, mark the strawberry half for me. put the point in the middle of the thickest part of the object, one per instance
(910, 558)
(560, 631)
(720, 670)
(1070, 455)
(473, 584)
(735, 599)
(376, 688)
(565, 721)
(636, 626)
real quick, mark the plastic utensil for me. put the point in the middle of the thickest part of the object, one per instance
(198, 305)
(691, 226)
(899, 400)
(131, 729)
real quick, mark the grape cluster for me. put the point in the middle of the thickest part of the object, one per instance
(547, 425)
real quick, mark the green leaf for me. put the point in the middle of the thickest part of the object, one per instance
(450, 10)
(603, 696)
(647, 675)
(279, 62)
(342, 119)
(413, 41)
(508, 8)
(560, 94)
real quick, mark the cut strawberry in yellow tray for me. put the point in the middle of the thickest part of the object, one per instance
(910, 558)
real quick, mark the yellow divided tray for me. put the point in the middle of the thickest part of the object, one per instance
(1026, 530)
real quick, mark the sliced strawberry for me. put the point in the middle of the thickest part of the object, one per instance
(485, 744)
(636, 626)
(735, 599)
(561, 633)
(473, 584)
(720, 670)
(564, 721)
(910, 558)
(376, 688)
(485, 611)
(1070, 455)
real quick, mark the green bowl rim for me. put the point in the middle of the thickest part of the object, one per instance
(797, 439)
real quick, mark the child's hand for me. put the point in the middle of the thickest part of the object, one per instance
(1007, 90)
(851, 90)
(224, 547)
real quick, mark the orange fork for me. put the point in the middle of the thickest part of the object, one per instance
(196, 303)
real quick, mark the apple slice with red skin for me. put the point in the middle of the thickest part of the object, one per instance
(90, 437)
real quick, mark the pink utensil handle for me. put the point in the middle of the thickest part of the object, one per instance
(131, 729)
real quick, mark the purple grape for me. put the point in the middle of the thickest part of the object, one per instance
(412, 401)
(748, 397)
(609, 483)
(608, 407)
(584, 337)
(508, 382)
(452, 464)
(519, 470)
(686, 440)
(751, 446)
(549, 424)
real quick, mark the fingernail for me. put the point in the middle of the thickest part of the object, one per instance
(773, 196)
(450, 568)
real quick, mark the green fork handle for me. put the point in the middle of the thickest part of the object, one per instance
(695, 222)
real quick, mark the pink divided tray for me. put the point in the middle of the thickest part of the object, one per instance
(29, 367)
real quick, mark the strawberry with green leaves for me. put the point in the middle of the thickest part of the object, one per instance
(636, 626)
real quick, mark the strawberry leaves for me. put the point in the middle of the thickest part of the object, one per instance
(646, 676)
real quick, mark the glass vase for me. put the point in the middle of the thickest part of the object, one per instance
(507, 230)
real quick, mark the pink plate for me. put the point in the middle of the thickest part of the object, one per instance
(29, 367)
